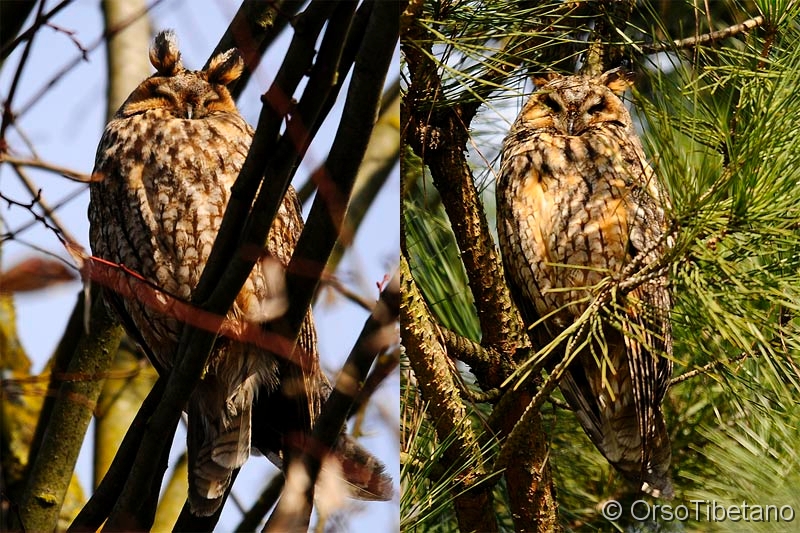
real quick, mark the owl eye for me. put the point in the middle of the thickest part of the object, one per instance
(598, 107)
(552, 103)
(166, 92)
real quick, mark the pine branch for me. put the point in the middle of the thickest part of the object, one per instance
(473, 502)
(705, 369)
(706, 38)
(484, 361)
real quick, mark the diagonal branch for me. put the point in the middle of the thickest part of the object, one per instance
(426, 353)
(327, 213)
(196, 344)
(252, 30)
(706, 38)
(97, 508)
(72, 411)
(48, 211)
(378, 336)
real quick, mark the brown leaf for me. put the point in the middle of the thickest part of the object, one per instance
(34, 274)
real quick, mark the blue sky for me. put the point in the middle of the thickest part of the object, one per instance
(64, 127)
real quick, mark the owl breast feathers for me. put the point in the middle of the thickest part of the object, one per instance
(578, 205)
(165, 166)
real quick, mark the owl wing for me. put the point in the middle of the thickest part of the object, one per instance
(290, 409)
(647, 334)
(617, 395)
(521, 241)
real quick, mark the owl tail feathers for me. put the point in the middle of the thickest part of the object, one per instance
(216, 448)
(613, 428)
(364, 474)
(655, 475)
(647, 467)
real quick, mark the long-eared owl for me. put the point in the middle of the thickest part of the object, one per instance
(579, 207)
(164, 170)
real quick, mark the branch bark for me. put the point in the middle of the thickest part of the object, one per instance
(439, 135)
(426, 353)
(327, 214)
(73, 409)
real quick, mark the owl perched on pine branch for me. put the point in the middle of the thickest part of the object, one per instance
(578, 206)
(165, 166)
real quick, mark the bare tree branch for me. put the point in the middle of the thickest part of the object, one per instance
(252, 31)
(8, 115)
(706, 38)
(70, 174)
(327, 213)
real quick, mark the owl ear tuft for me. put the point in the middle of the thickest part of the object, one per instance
(164, 54)
(542, 79)
(225, 67)
(618, 80)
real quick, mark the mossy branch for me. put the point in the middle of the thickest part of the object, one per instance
(426, 353)
(72, 411)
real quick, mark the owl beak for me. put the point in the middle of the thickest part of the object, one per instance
(189, 111)
(576, 124)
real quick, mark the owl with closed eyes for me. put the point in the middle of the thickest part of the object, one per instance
(164, 170)
(579, 207)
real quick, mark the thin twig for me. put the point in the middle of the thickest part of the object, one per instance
(13, 233)
(699, 40)
(39, 218)
(72, 175)
(49, 212)
(8, 115)
(706, 368)
(334, 283)
(71, 35)
(36, 248)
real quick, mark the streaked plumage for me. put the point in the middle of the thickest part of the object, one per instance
(166, 164)
(577, 203)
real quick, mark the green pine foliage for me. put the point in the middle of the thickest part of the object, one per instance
(721, 125)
